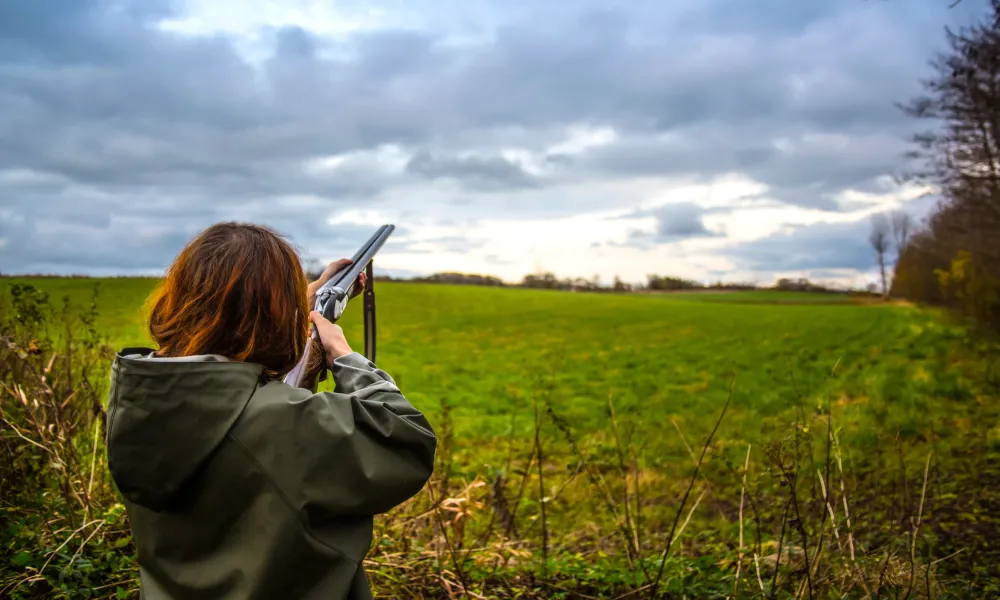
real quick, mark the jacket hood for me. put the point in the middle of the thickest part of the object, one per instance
(166, 416)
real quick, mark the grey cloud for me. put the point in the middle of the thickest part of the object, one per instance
(454, 244)
(81, 231)
(134, 245)
(674, 222)
(128, 121)
(822, 246)
(808, 175)
(491, 171)
(773, 17)
(294, 42)
(527, 78)
(74, 248)
(678, 221)
(79, 31)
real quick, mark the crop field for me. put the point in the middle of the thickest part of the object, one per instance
(634, 384)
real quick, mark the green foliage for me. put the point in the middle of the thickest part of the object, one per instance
(657, 282)
(970, 286)
(28, 304)
(63, 533)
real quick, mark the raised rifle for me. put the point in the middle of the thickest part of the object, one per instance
(331, 301)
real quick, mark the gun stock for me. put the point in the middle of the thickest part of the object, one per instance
(310, 369)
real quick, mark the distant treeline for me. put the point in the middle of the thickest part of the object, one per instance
(954, 259)
(544, 281)
(654, 283)
(462, 278)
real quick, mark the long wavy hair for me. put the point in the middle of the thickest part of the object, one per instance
(237, 290)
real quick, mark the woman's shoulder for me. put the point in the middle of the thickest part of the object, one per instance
(275, 400)
(281, 421)
(273, 391)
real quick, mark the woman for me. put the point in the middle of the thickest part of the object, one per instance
(238, 486)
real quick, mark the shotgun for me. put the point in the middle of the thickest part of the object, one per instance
(331, 302)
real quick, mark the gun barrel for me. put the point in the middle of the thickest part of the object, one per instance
(346, 277)
(340, 287)
(332, 298)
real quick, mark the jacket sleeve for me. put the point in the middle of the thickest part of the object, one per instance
(363, 448)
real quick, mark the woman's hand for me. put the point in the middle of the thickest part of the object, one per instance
(331, 270)
(360, 287)
(331, 336)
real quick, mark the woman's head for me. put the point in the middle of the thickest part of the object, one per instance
(237, 290)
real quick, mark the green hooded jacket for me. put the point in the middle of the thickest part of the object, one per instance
(240, 488)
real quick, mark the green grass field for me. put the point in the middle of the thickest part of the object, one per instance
(887, 370)
(907, 393)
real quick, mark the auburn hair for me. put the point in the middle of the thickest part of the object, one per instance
(237, 290)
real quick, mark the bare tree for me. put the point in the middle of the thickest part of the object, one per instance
(962, 153)
(902, 226)
(879, 239)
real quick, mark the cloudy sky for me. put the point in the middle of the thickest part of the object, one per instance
(741, 140)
